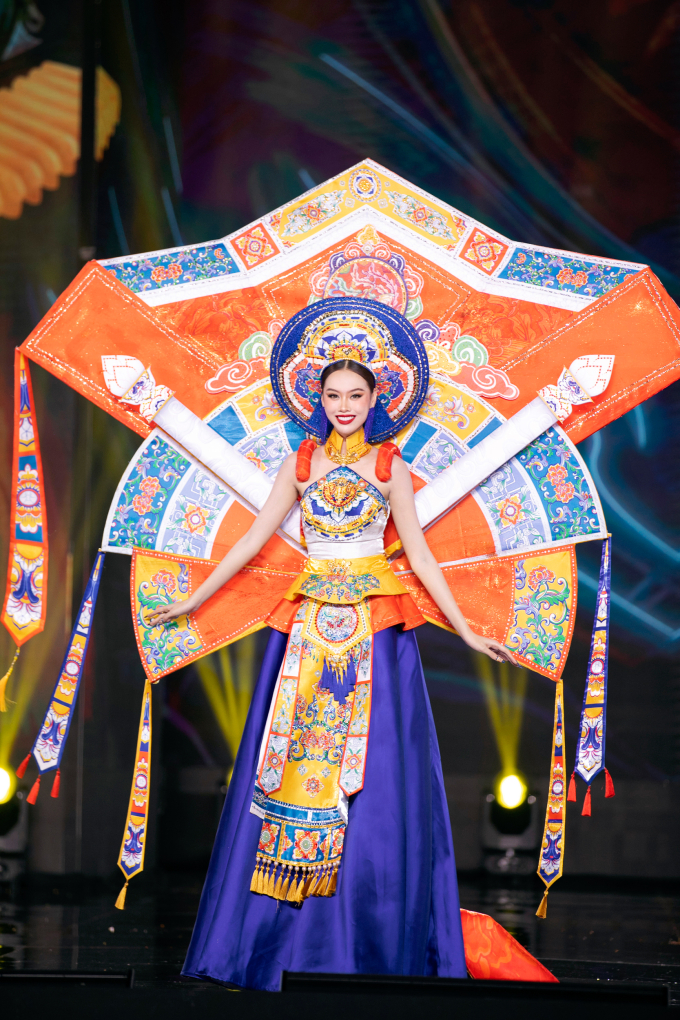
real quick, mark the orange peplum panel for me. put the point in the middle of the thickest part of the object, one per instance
(386, 611)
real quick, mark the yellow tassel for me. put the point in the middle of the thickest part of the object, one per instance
(3, 682)
(333, 884)
(315, 883)
(543, 906)
(253, 881)
(272, 881)
(120, 902)
(277, 888)
(303, 887)
(293, 889)
(260, 878)
(323, 888)
(284, 887)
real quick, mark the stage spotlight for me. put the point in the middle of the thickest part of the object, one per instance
(511, 791)
(6, 785)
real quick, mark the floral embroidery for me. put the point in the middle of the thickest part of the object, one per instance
(143, 501)
(431, 221)
(556, 473)
(565, 492)
(542, 612)
(268, 837)
(141, 504)
(538, 576)
(339, 583)
(203, 262)
(312, 786)
(255, 246)
(510, 511)
(562, 272)
(561, 485)
(306, 845)
(163, 646)
(312, 214)
(511, 508)
(165, 579)
(484, 251)
(319, 729)
(150, 486)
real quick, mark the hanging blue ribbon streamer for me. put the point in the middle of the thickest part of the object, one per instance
(590, 749)
(48, 748)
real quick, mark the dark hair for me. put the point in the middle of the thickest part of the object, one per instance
(348, 366)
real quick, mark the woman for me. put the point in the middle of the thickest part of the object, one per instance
(285, 890)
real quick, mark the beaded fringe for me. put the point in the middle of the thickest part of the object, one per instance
(293, 882)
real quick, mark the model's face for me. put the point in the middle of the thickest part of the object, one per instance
(347, 399)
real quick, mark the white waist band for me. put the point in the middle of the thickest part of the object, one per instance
(329, 550)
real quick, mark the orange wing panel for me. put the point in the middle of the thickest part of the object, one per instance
(483, 591)
(637, 322)
(98, 315)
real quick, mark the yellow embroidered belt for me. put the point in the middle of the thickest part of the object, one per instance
(344, 582)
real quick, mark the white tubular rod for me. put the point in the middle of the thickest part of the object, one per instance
(449, 487)
(216, 453)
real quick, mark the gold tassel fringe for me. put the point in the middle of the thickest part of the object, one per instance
(120, 902)
(293, 883)
(3, 681)
(543, 905)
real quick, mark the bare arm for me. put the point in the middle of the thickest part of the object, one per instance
(270, 517)
(426, 567)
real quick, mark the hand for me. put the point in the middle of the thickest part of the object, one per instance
(166, 614)
(494, 649)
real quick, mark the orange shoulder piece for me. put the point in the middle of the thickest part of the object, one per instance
(303, 464)
(383, 467)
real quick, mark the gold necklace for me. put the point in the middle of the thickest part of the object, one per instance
(356, 448)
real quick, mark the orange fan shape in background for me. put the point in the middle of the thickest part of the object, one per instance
(40, 131)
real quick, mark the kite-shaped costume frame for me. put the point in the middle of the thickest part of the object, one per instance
(510, 354)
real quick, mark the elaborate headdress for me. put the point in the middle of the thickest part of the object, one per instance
(368, 332)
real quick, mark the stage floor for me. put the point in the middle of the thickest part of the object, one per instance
(594, 930)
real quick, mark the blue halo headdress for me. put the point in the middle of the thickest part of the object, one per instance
(369, 332)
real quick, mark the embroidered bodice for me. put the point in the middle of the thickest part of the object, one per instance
(343, 515)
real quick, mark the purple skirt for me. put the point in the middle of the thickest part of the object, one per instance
(396, 908)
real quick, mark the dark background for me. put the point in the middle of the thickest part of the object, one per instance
(554, 122)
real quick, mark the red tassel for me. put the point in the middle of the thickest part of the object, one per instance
(56, 784)
(608, 785)
(21, 771)
(571, 795)
(586, 804)
(303, 461)
(383, 465)
(35, 789)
